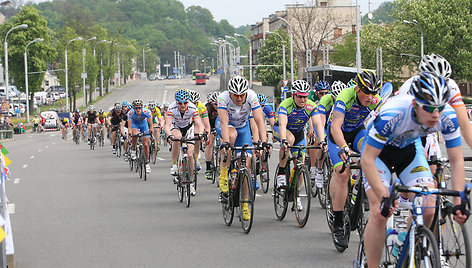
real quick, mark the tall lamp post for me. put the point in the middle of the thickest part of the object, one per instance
(7, 87)
(250, 57)
(237, 55)
(283, 52)
(144, 59)
(84, 74)
(26, 75)
(291, 47)
(421, 31)
(101, 70)
(67, 71)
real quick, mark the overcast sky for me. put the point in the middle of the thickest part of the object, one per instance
(242, 12)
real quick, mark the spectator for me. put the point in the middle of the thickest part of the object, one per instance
(18, 111)
(8, 123)
(21, 128)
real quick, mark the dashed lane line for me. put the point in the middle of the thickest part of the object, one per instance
(11, 208)
(39, 150)
(162, 159)
(25, 165)
(16, 181)
(32, 156)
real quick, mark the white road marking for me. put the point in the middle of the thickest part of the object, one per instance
(276, 149)
(25, 165)
(162, 159)
(53, 143)
(16, 181)
(47, 146)
(32, 156)
(11, 209)
(39, 150)
(258, 195)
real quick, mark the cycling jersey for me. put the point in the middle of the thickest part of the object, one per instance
(297, 117)
(455, 97)
(202, 110)
(116, 118)
(354, 113)
(212, 114)
(76, 118)
(325, 106)
(238, 115)
(396, 125)
(268, 112)
(36, 121)
(312, 96)
(156, 112)
(92, 116)
(101, 118)
(135, 118)
(182, 120)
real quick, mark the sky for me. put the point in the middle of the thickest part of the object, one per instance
(242, 12)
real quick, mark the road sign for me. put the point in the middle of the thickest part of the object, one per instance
(175, 70)
(285, 88)
(285, 83)
(83, 75)
(166, 65)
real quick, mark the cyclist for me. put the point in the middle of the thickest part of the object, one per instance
(115, 122)
(157, 118)
(234, 108)
(102, 116)
(91, 121)
(203, 113)
(293, 115)
(346, 126)
(124, 117)
(77, 120)
(325, 106)
(182, 120)
(140, 120)
(64, 126)
(269, 115)
(392, 145)
(212, 108)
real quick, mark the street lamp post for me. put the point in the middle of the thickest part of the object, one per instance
(291, 47)
(283, 52)
(250, 57)
(237, 53)
(421, 32)
(101, 71)
(144, 60)
(7, 88)
(26, 75)
(84, 74)
(67, 70)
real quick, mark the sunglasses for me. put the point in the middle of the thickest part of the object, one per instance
(182, 103)
(301, 97)
(323, 93)
(367, 92)
(138, 108)
(430, 108)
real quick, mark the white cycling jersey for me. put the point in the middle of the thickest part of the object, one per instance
(396, 125)
(238, 115)
(455, 97)
(182, 120)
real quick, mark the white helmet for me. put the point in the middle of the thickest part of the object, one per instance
(429, 89)
(435, 64)
(214, 96)
(337, 87)
(301, 87)
(238, 85)
(194, 96)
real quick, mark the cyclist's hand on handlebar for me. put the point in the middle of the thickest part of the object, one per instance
(283, 144)
(225, 147)
(311, 133)
(388, 206)
(344, 152)
(461, 213)
(169, 138)
(266, 146)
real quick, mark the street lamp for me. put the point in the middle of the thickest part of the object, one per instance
(26, 75)
(101, 71)
(84, 74)
(283, 52)
(250, 57)
(67, 75)
(237, 55)
(144, 60)
(291, 46)
(421, 31)
(21, 26)
(95, 46)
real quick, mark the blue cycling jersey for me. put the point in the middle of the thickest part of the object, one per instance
(267, 111)
(297, 117)
(135, 119)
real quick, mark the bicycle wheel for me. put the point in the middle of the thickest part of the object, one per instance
(327, 172)
(280, 199)
(302, 193)
(245, 177)
(426, 249)
(195, 173)
(154, 158)
(215, 164)
(186, 179)
(454, 243)
(118, 146)
(143, 165)
(131, 164)
(264, 176)
(329, 206)
(361, 259)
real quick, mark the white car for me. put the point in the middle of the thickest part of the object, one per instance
(52, 119)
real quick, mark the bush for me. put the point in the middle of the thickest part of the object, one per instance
(467, 100)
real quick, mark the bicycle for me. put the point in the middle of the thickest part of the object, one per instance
(263, 173)
(92, 138)
(100, 137)
(327, 168)
(215, 156)
(420, 248)
(153, 149)
(76, 135)
(118, 143)
(452, 238)
(298, 188)
(238, 174)
(140, 161)
(184, 179)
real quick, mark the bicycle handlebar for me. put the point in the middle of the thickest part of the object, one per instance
(348, 161)
(299, 148)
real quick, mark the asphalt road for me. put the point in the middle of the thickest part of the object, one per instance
(79, 208)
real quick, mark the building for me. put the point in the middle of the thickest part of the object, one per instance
(258, 35)
(50, 79)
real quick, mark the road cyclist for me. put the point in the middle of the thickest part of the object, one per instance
(212, 108)
(77, 121)
(64, 127)
(203, 113)
(91, 121)
(140, 121)
(116, 122)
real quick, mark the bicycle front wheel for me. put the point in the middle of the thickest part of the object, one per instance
(264, 175)
(327, 172)
(280, 199)
(426, 249)
(245, 179)
(455, 247)
(302, 197)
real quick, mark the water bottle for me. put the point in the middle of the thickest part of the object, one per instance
(391, 237)
(398, 243)
(234, 178)
(291, 180)
(356, 187)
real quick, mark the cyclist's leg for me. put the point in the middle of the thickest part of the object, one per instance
(209, 151)
(144, 129)
(176, 134)
(223, 177)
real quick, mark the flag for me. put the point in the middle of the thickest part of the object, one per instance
(2, 234)
(7, 161)
(3, 149)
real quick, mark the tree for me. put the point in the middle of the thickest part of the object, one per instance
(39, 53)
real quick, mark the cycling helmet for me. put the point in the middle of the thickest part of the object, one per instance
(77, 111)
(129, 106)
(166, 105)
(124, 103)
(238, 85)
(209, 96)
(322, 85)
(137, 103)
(194, 96)
(91, 108)
(351, 83)
(337, 87)
(369, 81)
(430, 89)
(118, 106)
(262, 99)
(214, 97)
(182, 95)
(158, 104)
(151, 104)
(301, 87)
(101, 111)
(435, 64)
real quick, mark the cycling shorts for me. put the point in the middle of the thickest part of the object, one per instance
(409, 163)
(244, 135)
(143, 127)
(299, 139)
(353, 138)
(187, 132)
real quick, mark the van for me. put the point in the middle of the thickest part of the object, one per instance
(40, 97)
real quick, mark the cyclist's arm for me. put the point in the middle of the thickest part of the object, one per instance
(161, 120)
(319, 126)
(150, 124)
(271, 122)
(130, 124)
(456, 159)
(464, 123)
(86, 120)
(283, 119)
(199, 125)
(338, 120)
(369, 168)
(259, 118)
(254, 130)
(206, 124)
(224, 120)
(168, 120)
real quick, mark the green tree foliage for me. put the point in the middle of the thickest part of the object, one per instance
(383, 14)
(271, 54)
(39, 53)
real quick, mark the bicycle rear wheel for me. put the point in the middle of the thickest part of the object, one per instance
(154, 158)
(280, 199)
(327, 172)
(245, 177)
(215, 164)
(426, 249)
(303, 193)
(264, 176)
(455, 247)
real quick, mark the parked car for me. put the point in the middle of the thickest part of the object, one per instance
(13, 106)
(41, 97)
(52, 119)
